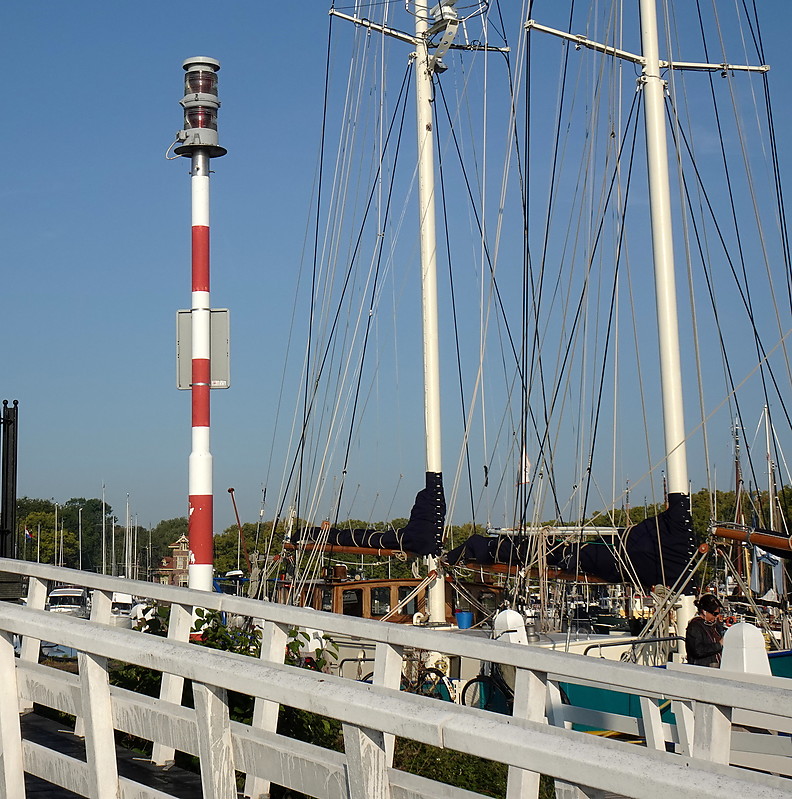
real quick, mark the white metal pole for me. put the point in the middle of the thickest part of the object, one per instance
(663, 249)
(428, 241)
(79, 535)
(770, 480)
(127, 543)
(104, 533)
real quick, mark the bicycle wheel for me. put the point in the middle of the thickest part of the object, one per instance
(484, 693)
(432, 682)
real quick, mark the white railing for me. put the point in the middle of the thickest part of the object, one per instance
(712, 709)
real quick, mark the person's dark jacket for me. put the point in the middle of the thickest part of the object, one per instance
(703, 643)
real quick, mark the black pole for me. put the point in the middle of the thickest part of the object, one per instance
(10, 587)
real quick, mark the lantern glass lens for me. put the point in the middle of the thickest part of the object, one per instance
(200, 82)
(200, 116)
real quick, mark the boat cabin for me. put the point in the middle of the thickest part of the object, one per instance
(400, 600)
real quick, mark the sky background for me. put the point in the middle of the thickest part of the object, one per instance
(95, 236)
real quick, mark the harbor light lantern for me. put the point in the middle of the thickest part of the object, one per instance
(200, 103)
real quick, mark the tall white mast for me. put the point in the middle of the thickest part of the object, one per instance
(428, 240)
(440, 20)
(653, 86)
(663, 250)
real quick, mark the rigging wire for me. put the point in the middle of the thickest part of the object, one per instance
(454, 315)
(374, 287)
(743, 294)
(296, 461)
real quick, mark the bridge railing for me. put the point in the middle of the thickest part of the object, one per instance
(535, 739)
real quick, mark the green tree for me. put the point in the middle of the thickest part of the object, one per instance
(33, 512)
(48, 544)
(79, 512)
(27, 505)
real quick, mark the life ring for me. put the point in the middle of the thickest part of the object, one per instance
(729, 620)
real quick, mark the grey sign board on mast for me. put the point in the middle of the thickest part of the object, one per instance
(220, 374)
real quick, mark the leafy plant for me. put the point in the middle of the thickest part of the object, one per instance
(216, 633)
(322, 656)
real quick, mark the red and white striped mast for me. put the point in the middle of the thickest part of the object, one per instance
(198, 142)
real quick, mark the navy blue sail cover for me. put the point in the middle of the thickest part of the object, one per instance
(655, 551)
(422, 535)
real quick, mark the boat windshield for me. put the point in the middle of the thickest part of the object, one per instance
(64, 601)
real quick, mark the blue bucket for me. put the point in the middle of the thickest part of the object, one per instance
(464, 619)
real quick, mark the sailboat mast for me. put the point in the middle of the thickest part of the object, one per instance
(428, 242)
(428, 239)
(663, 250)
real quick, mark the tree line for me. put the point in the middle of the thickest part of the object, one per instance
(86, 532)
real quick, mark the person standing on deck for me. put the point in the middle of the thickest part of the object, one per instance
(704, 634)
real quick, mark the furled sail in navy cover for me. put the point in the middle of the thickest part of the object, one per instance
(422, 535)
(655, 551)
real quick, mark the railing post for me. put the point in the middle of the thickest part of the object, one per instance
(652, 723)
(12, 772)
(97, 716)
(530, 700)
(704, 730)
(265, 713)
(683, 713)
(369, 752)
(711, 732)
(388, 664)
(31, 647)
(556, 717)
(172, 685)
(101, 605)
(367, 769)
(214, 742)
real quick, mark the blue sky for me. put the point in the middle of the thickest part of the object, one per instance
(95, 231)
(95, 226)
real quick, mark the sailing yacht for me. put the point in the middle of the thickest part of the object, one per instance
(589, 172)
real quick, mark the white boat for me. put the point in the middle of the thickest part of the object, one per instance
(71, 600)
